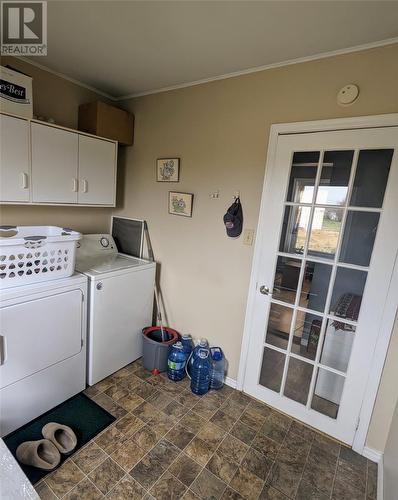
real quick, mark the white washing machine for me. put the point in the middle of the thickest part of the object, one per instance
(42, 348)
(121, 290)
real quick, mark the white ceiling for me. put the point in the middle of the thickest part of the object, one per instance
(133, 47)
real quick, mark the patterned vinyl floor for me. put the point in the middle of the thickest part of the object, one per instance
(168, 443)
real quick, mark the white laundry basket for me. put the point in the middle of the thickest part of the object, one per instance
(29, 254)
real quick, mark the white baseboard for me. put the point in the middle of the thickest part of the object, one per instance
(371, 454)
(231, 382)
(376, 456)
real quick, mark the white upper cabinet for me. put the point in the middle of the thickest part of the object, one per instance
(54, 164)
(14, 159)
(97, 171)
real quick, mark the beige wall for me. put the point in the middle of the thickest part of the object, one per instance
(390, 463)
(220, 131)
(387, 397)
(57, 98)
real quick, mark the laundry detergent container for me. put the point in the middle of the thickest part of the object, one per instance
(155, 350)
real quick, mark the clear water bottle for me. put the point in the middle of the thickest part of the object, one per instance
(187, 343)
(176, 362)
(200, 373)
(217, 370)
(202, 344)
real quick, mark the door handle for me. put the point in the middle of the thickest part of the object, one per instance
(85, 186)
(3, 350)
(25, 183)
(264, 290)
(74, 185)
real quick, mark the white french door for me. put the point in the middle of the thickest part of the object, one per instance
(324, 264)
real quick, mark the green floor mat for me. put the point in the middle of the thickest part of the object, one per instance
(81, 414)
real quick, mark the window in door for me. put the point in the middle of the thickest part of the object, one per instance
(332, 210)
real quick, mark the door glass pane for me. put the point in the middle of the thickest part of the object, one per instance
(371, 177)
(302, 176)
(325, 230)
(298, 380)
(294, 229)
(315, 285)
(321, 312)
(337, 345)
(272, 369)
(359, 237)
(306, 334)
(347, 293)
(280, 319)
(286, 279)
(335, 177)
(327, 393)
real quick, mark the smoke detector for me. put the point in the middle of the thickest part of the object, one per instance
(348, 94)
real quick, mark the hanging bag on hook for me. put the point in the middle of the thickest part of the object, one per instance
(233, 219)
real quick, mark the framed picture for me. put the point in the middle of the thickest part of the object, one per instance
(180, 203)
(168, 169)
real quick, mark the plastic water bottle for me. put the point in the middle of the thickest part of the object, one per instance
(217, 368)
(187, 344)
(200, 373)
(202, 344)
(176, 362)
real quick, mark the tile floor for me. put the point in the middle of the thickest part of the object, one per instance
(168, 443)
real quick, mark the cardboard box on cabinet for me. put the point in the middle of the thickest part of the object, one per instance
(107, 121)
(15, 93)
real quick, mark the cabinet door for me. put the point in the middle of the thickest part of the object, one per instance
(14, 159)
(39, 333)
(97, 171)
(54, 164)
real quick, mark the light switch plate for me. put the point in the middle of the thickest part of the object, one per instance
(248, 237)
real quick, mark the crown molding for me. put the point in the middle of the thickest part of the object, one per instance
(68, 78)
(298, 60)
(234, 74)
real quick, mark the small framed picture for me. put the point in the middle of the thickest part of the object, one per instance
(180, 203)
(168, 169)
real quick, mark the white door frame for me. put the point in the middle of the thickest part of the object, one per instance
(390, 310)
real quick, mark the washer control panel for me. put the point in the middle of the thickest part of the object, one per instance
(96, 244)
(104, 242)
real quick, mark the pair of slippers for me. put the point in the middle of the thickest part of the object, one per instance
(46, 453)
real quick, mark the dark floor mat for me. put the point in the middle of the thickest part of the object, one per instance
(84, 416)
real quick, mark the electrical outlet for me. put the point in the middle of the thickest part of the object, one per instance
(248, 237)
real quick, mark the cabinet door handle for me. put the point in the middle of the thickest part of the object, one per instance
(25, 183)
(3, 350)
(75, 185)
(85, 186)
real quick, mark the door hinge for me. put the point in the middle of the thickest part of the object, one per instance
(81, 343)
(358, 420)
